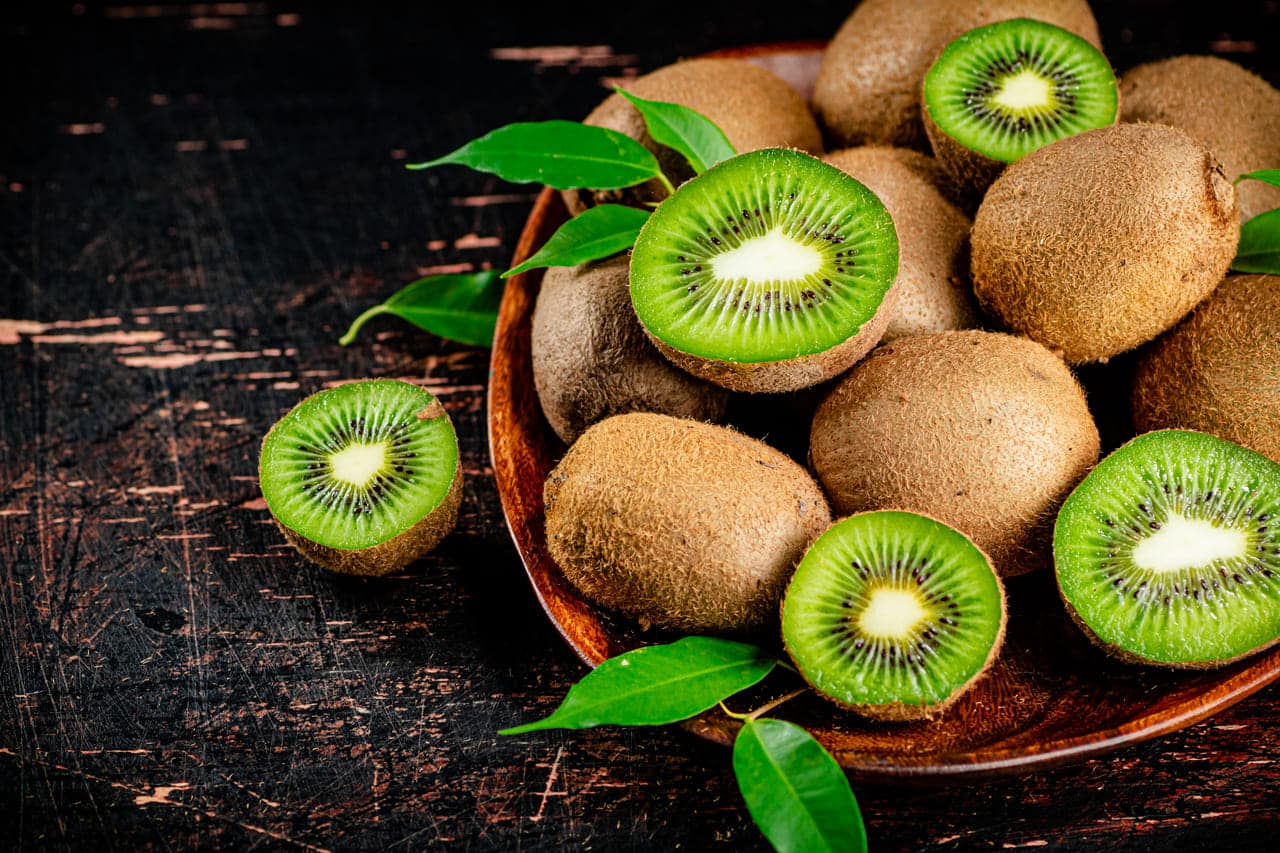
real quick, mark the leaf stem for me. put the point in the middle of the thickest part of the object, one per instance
(766, 708)
(666, 182)
(787, 666)
(360, 321)
(734, 714)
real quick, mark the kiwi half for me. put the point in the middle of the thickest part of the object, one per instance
(893, 615)
(771, 271)
(999, 92)
(1168, 553)
(363, 478)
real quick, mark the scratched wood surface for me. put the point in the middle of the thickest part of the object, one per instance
(194, 201)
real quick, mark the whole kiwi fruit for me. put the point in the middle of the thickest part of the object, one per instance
(754, 107)
(983, 431)
(868, 88)
(680, 524)
(1233, 111)
(1101, 241)
(591, 359)
(1219, 370)
(933, 240)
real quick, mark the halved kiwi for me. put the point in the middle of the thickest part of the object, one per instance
(1168, 553)
(363, 478)
(893, 615)
(1001, 91)
(771, 271)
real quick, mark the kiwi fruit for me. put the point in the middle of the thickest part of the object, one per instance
(999, 92)
(933, 240)
(1219, 370)
(754, 107)
(983, 431)
(680, 524)
(893, 615)
(1099, 242)
(1232, 111)
(868, 87)
(769, 272)
(1169, 553)
(364, 478)
(591, 359)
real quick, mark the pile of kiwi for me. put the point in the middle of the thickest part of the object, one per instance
(999, 209)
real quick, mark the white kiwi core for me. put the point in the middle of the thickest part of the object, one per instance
(1185, 543)
(1024, 90)
(891, 614)
(769, 258)
(358, 463)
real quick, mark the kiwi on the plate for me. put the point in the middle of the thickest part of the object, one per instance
(1099, 242)
(771, 271)
(1219, 370)
(753, 106)
(680, 524)
(983, 431)
(933, 240)
(1233, 111)
(893, 615)
(591, 359)
(868, 88)
(1169, 553)
(999, 92)
(363, 478)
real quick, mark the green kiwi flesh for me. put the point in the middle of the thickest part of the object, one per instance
(363, 478)
(1001, 91)
(1168, 553)
(893, 615)
(772, 271)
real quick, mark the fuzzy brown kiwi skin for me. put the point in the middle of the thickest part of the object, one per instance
(397, 552)
(933, 239)
(903, 712)
(681, 524)
(1064, 249)
(868, 88)
(972, 171)
(986, 432)
(1233, 111)
(591, 358)
(1219, 370)
(754, 107)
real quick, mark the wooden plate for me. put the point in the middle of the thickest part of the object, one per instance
(1051, 698)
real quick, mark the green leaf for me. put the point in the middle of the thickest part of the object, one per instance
(655, 685)
(796, 792)
(597, 232)
(1259, 249)
(1267, 176)
(686, 130)
(561, 154)
(461, 307)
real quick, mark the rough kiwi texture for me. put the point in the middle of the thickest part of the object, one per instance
(364, 478)
(1233, 111)
(893, 615)
(1169, 553)
(592, 360)
(868, 88)
(680, 524)
(771, 271)
(984, 431)
(1219, 370)
(933, 240)
(999, 92)
(1101, 241)
(754, 107)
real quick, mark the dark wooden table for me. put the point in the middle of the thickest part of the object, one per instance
(195, 201)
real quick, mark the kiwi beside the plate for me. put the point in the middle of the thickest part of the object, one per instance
(363, 478)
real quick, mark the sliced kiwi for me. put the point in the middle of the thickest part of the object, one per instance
(893, 615)
(1001, 91)
(772, 271)
(363, 478)
(1168, 553)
